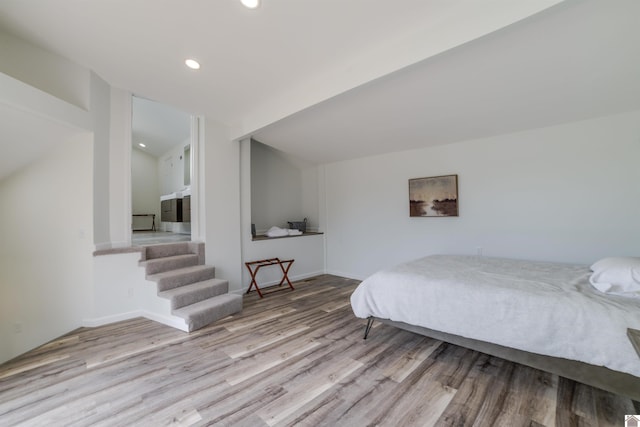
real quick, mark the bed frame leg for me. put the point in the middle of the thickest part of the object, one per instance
(368, 327)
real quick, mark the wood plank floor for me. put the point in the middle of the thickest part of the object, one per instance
(292, 358)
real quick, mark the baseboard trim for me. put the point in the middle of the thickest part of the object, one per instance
(346, 275)
(174, 322)
(105, 320)
(102, 246)
(105, 246)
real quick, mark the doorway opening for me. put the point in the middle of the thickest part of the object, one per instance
(161, 173)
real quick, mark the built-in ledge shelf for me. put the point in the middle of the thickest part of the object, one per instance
(307, 233)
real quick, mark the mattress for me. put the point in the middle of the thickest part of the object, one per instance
(543, 308)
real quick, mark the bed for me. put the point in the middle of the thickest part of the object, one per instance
(571, 320)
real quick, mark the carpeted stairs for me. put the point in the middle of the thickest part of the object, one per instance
(181, 276)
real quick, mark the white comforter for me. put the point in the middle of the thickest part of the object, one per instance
(543, 308)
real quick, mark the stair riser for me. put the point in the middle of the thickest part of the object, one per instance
(197, 248)
(167, 283)
(206, 317)
(160, 265)
(180, 301)
(165, 250)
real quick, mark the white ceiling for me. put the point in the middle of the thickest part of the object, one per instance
(160, 127)
(577, 61)
(411, 72)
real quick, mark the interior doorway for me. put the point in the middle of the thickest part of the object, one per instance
(161, 173)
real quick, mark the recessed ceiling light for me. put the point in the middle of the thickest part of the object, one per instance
(251, 4)
(193, 64)
(141, 144)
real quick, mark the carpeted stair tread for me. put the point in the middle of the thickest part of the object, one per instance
(205, 312)
(159, 265)
(182, 276)
(179, 272)
(195, 292)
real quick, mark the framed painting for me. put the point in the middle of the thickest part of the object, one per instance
(433, 196)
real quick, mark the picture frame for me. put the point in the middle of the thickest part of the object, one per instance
(435, 196)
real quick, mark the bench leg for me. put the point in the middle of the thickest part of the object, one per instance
(285, 272)
(368, 327)
(253, 281)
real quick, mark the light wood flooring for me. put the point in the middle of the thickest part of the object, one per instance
(294, 358)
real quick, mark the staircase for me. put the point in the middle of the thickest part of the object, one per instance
(195, 295)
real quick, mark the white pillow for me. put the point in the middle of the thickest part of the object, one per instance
(616, 275)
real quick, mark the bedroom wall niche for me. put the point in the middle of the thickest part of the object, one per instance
(276, 188)
(283, 188)
(566, 193)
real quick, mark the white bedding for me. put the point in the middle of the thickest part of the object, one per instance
(543, 308)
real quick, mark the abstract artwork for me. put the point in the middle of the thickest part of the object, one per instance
(433, 196)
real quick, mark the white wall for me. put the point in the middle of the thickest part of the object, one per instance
(276, 188)
(567, 193)
(282, 189)
(45, 258)
(121, 292)
(171, 169)
(220, 202)
(53, 74)
(108, 111)
(311, 198)
(145, 193)
(306, 251)
(120, 167)
(100, 112)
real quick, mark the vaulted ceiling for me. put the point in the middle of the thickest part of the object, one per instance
(332, 80)
(576, 61)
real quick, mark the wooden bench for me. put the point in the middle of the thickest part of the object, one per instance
(255, 266)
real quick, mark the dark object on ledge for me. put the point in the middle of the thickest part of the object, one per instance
(306, 233)
(298, 225)
(634, 337)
